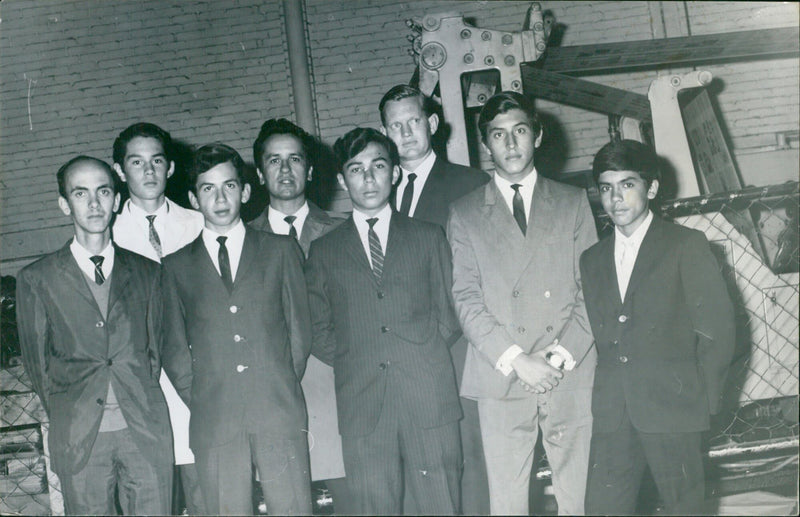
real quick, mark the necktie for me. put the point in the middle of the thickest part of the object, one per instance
(155, 241)
(375, 250)
(408, 195)
(99, 277)
(292, 230)
(224, 263)
(519, 209)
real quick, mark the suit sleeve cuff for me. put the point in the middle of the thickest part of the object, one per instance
(569, 361)
(504, 363)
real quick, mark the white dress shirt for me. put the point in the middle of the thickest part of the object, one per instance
(234, 245)
(83, 258)
(381, 228)
(279, 224)
(176, 227)
(422, 171)
(526, 191)
(626, 249)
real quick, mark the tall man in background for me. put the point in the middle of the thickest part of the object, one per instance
(427, 186)
(282, 154)
(90, 331)
(152, 225)
(516, 285)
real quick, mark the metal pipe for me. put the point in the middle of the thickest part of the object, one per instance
(299, 64)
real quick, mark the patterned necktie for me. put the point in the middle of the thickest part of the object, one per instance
(292, 230)
(519, 209)
(375, 250)
(224, 263)
(99, 277)
(408, 195)
(155, 241)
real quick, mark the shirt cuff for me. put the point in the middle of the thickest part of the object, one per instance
(569, 361)
(504, 363)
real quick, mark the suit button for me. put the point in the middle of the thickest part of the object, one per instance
(381, 295)
(549, 328)
(237, 338)
(622, 318)
(515, 294)
(623, 359)
(99, 324)
(521, 330)
(547, 294)
(234, 309)
(385, 329)
(382, 366)
(616, 342)
(240, 368)
(99, 402)
(109, 362)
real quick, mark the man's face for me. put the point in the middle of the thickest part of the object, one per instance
(91, 199)
(284, 167)
(625, 197)
(219, 196)
(511, 142)
(368, 178)
(145, 168)
(408, 126)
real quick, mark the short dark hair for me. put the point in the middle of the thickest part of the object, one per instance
(405, 91)
(61, 175)
(357, 140)
(280, 126)
(144, 129)
(504, 102)
(627, 155)
(211, 155)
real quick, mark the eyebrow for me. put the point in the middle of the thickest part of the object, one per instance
(626, 178)
(134, 155)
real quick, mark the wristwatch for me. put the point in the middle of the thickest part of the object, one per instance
(555, 360)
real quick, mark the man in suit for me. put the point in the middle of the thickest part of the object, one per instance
(238, 333)
(282, 154)
(428, 184)
(378, 289)
(664, 329)
(90, 330)
(152, 225)
(516, 285)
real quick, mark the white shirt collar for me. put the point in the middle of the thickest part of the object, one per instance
(422, 171)
(381, 228)
(279, 224)
(637, 236)
(234, 244)
(626, 249)
(526, 190)
(83, 258)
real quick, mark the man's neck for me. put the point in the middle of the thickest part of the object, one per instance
(149, 205)
(287, 206)
(411, 165)
(94, 242)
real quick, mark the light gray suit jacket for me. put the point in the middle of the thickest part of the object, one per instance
(524, 290)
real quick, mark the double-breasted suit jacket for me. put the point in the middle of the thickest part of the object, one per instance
(400, 327)
(71, 353)
(237, 357)
(664, 352)
(511, 290)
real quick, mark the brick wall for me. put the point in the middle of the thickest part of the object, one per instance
(76, 72)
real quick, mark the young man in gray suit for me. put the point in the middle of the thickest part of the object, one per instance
(382, 316)
(238, 334)
(516, 285)
(90, 330)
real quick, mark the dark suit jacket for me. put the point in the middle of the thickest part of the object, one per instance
(248, 347)
(317, 224)
(446, 183)
(364, 329)
(662, 353)
(71, 352)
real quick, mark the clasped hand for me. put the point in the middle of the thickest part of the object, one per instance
(534, 373)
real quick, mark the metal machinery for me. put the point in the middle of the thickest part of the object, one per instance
(465, 65)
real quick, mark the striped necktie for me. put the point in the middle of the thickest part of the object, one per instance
(292, 230)
(155, 241)
(375, 250)
(519, 209)
(99, 277)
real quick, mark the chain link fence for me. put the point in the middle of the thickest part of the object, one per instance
(754, 442)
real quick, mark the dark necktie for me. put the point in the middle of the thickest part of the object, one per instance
(224, 263)
(408, 195)
(292, 230)
(99, 277)
(155, 241)
(375, 250)
(519, 209)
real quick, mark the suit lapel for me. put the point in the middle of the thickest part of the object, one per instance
(247, 259)
(434, 184)
(120, 277)
(653, 247)
(73, 275)
(352, 243)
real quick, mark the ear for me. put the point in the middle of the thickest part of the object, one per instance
(538, 141)
(260, 175)
(383, 130)
(116, 202)
(433, 123)
(652, 190)
(395, 174)
(171, 169)
(246, 193)
(340, 177)
(63, 204)
(193, 200)
(120, 173)
(486, 148)
(310, 174)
